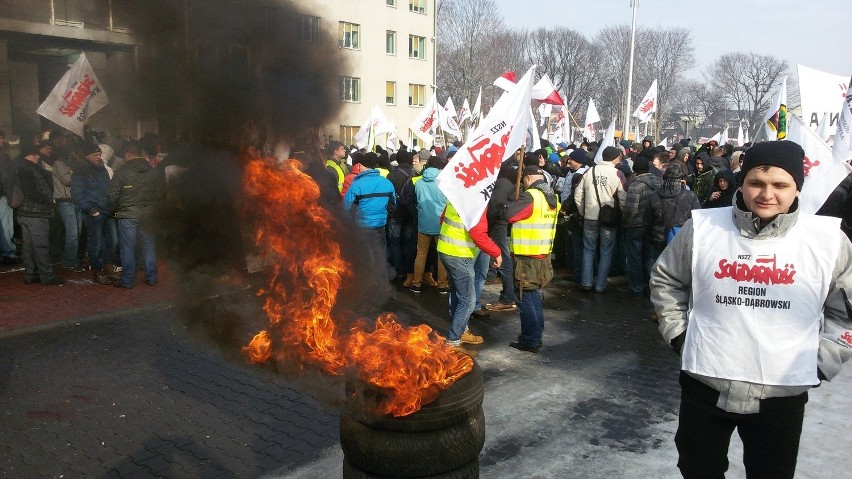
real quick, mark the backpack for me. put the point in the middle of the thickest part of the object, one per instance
(14, 193)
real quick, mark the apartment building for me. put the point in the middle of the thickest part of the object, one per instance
(388, 48)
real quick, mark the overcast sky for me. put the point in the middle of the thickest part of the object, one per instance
(814, 33)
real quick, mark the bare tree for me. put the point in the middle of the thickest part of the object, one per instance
(666, 55)
(690, 101)
(748, 80)
(569, 59)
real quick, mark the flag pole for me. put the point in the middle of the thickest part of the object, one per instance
(628, 99)
(520, 160)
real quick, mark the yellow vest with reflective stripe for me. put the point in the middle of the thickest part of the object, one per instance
(534, 235)
(383, 172)
(340, 174)
(415, 179)
(454, 240)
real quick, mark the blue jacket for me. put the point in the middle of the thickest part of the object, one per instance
(367, 199)
(430, 203)
(89, 186)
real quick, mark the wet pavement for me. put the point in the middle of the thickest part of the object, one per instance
(137, 389)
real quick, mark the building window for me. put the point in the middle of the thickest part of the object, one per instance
(390, 42)
(349, 35)
(390, 92)
(416, 94)
(417, 47)
(415, 140)
(349, 89)
(417, 6)
(308, 28)
(391, 3)
(347, 134)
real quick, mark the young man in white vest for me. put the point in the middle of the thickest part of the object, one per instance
(755, 298)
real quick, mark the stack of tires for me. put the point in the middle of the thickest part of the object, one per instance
(441, 440)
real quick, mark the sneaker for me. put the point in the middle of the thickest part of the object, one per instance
(100, 278)
(463, 350)
(116, 269)
(523, 347)
(151, 282)
(480, 314)
(443, 290)
(470, 338)
(586, 289)
(415, 288)
(55, 281)
(498, 306)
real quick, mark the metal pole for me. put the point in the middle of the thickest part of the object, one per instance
(628, 100)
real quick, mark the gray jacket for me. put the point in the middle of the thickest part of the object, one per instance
(671, 280)
(637, 210)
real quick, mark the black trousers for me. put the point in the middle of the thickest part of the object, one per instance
(770, 437)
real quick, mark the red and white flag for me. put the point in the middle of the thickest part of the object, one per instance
(448, 121)
(542, 91)
(450, 108)
(506, 81)
(427, 122)
(464, 113)
(592, 117)
(648, 105)
(76, 97)
(468, 179)
(822, 171)
(842, 149)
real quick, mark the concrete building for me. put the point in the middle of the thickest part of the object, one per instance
(390, 47)
(147, 52)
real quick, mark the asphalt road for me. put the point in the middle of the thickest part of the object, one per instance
(152, 393)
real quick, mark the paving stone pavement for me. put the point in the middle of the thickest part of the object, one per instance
(145, 395)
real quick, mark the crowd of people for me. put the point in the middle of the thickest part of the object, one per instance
(78, 204)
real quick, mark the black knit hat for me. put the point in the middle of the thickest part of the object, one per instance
(784, 154)
(610, 153)
(89, 148)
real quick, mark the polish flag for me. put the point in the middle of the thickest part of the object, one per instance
(506, 81)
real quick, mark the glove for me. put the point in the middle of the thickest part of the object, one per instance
(677, 343)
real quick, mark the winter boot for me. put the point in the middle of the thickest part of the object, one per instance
(99, 277)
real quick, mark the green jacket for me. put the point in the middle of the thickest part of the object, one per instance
(135, 189)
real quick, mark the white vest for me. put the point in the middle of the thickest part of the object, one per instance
(757, 305)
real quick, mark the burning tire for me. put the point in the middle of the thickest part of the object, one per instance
(454, 405)
(412, 454)
(441, 440)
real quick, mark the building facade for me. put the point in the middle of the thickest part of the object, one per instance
(160, 60)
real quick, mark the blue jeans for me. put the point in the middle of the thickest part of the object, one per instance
(401, 245)
(532, 318)
(7, 230)
(591, 231)
(72, 219)
(129, 232)
(94, 239)
(460, 273)
(499, 233)
(110, 241)
(480, 271)
(640, 258)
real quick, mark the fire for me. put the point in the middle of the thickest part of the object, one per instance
(410, 365)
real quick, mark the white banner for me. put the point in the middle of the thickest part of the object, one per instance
(468, 179)
(822, 172)
(76, 97)
(842, 148)
(426, 123)
(608, 140)
(821, 93)
(592, 117)
(376, 124)
(648, 105)
(464, 114)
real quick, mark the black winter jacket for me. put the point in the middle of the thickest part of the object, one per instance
(135, 189)
(36, 184)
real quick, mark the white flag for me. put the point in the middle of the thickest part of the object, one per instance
(427, 122)
(544, 111)
(665, 142)
(716, 138)
(723, 137)
(842, 149)
(76, 97)
(745, 132)
(464, 114)
(450, 108)
(592, 117)
(468, 178)
(533, 138)
(740, 137)
(776, 115)
(477, 107)
(608, 140)
(376, 124)
(823, 127)
(648, 105)
(822, 171)
(448, 123)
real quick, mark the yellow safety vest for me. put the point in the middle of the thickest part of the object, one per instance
(415, 179)
(454, 240)
(534, 235)
(340, 174)
(383, 172)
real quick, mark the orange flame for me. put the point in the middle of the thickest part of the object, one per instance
(411, 365)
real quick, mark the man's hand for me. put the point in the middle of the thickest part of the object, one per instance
(498, 261)
(715, 195)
